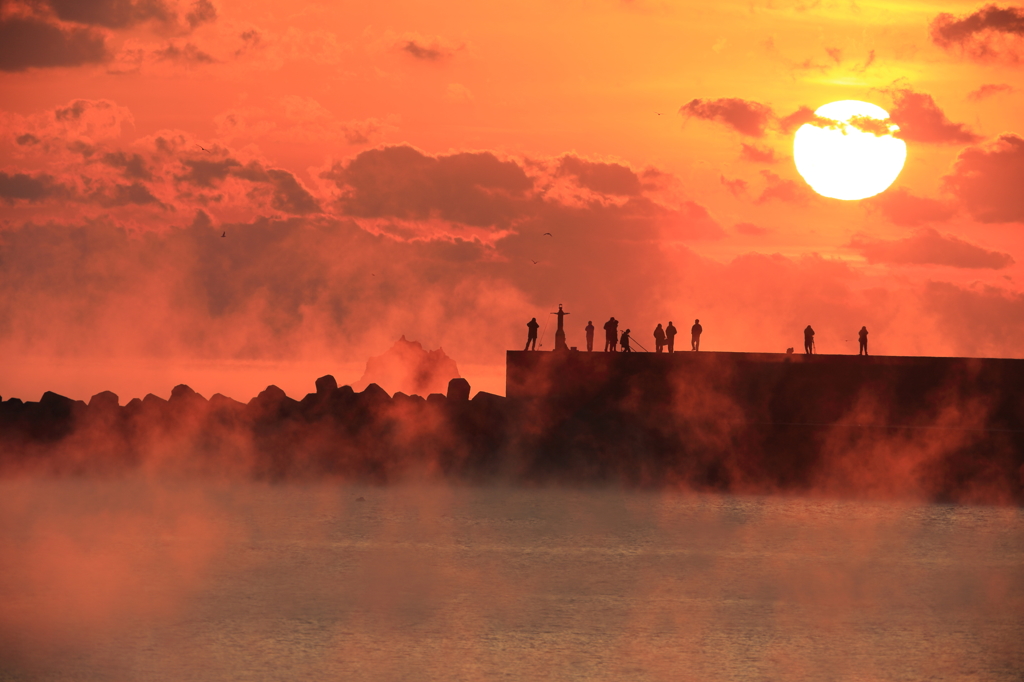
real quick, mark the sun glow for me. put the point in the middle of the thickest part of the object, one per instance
(849, 152)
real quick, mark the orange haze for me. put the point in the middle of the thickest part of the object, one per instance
(380, 169)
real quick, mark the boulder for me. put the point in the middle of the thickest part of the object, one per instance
(458, 389)
(374, 394)
(326, 385)
(105, 400)
(181, 392)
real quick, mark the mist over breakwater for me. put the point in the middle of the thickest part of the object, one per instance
(938, 429)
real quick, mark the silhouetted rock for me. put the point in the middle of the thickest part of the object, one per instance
(401, 398)
(104, 400)
(437, 399)
(483, 397)
(272, 403)
(326, 385)
(374, 395)
(458, 389)
(183, 393)
(219, 401)
(407, 367)
(56, 404)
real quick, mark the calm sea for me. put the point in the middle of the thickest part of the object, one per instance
(144, 580)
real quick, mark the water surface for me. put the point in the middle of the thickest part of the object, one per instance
(137, 580)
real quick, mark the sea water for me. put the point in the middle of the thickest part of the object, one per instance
(144, 579)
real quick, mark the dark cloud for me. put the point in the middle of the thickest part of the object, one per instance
(921, 120)
(988, 90)
(737, 187)
(867, 124)
(251, 39)
(928, 247)
(27, 139)
(23, 187)
(187, 54)
(755, 154)
(123, 195)
(903, 208)
(203, 173)
(133, 166)
(289, 195)
(744, 116)
(780, 189)
(802, 115)
(401, 182)
(988, 179)
(29, 42)
(427, 49)
(112, 13)
(422, 52)
(750, 229)
(202, 12)
(979, 34)
(606, 178)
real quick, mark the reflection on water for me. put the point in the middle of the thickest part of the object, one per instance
(128, 580)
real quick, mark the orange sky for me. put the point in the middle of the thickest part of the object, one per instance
(390, 168)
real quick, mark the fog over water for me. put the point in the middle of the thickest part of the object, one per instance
(134, 579)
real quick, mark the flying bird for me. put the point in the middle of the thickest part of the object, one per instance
(548, 234)
(658, 113)
(534, 261)
(204, 149)
(223, 234)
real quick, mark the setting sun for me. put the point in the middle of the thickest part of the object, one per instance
(850, 151)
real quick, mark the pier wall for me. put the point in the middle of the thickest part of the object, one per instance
(780, 389)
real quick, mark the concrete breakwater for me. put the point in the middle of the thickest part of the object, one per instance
(924, 428)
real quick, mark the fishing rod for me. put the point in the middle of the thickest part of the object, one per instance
(544, 331)
(632, 341)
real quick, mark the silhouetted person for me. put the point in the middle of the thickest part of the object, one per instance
(532, 336)
(808, 340)
(611, 334)
(590, 335)
(659, 338)
(624, 341)
(670, 337)
(695, 332)
(863, 334)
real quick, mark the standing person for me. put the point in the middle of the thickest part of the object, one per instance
(695, 332)
(590, 335)
(532, 336)
(659, 338)
(863, 333)
(611, 334)
(625, 342)
(808, 340)
(670, 337)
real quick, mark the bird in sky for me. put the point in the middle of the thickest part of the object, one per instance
(204, 149)
(658, 113)
(534, 261)
(548, 234)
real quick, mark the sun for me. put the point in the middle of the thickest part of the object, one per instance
(850, 152)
